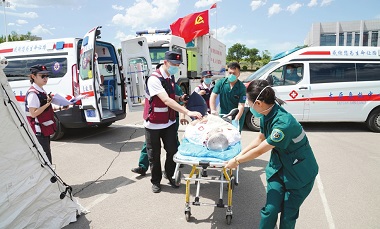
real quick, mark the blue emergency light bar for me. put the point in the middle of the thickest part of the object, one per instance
(153, 31)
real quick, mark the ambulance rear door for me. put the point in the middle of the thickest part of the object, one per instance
(89, 78)
(137, 67)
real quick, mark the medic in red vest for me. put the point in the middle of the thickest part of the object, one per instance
(38, 108)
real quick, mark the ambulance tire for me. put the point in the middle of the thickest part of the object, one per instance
(373, 120)
(252, 123)
(59, 132)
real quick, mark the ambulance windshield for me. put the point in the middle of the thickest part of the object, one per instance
(157, 54)
(257, 74)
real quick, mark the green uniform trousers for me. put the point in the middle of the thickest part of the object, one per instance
(143, 160)
(286, 201)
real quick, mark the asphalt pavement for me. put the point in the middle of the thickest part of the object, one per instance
(97, 164)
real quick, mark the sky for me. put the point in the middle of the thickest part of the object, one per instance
(273, 25)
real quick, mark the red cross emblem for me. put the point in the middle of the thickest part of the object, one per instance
(293, 94)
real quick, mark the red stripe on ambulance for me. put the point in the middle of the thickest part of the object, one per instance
(6, 50)
(316, 53)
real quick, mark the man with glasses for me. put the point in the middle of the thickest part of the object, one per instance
(39, 111)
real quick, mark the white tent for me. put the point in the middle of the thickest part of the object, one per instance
(32, 195)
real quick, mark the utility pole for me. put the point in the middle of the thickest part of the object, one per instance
(5, 4)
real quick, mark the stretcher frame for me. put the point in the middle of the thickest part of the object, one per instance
(199, 169)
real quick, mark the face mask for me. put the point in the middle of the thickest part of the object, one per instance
(207, 80)
(255, 113)
(288, 71)
(173, 70)
(232, 78)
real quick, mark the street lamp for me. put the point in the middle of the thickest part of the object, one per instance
(5, 4)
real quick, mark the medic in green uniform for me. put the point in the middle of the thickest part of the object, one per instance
(232, 94)
(292, 167)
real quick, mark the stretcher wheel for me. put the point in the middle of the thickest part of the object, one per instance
(228, 219)
(177, 178)
(187, 215)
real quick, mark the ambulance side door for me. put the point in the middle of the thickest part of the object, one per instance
(295, 94)
(89, 79)
(137, 67)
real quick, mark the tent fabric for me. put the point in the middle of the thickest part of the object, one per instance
(28, 198)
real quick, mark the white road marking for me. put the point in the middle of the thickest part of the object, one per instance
(326, 207)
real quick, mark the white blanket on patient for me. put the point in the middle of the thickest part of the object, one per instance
(200, 131)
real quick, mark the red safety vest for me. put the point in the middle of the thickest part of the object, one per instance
(45, 119)
(155, 111)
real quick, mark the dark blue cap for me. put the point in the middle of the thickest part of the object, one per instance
(173, 57)
(207, 73)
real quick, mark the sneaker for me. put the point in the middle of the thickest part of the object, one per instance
(139, 170)
(156, 188)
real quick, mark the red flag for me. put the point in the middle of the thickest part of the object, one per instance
(213, 6)
(191, 26)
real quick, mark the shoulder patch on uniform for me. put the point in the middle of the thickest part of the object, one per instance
(277, 135)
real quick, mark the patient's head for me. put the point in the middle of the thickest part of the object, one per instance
(216, 140)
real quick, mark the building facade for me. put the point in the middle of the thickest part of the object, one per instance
(348, 33)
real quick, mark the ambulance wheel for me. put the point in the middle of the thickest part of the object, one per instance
(177, 178)
(58, 134)
(228, 219)
(373, 120)
(187, 215)
(252, 122)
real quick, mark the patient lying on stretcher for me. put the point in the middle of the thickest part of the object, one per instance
(212, 132)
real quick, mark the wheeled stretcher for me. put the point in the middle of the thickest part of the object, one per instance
(201, 159)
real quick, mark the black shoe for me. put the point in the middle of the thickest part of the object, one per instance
(156, 188)
(139, 170)
(172, 183)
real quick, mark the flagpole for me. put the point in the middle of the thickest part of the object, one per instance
(216, 23)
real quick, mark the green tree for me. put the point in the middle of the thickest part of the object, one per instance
(13, 36)
(266, 57)
(252, 56)
(237, 52)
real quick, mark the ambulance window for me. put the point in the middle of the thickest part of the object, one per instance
(157, 54)
(368, 71)
(19, 69)
(289, 74)
(332, 72)
(85, 69)
(277, 77)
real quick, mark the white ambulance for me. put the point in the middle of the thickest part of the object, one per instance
(326, 84)
(86, 68)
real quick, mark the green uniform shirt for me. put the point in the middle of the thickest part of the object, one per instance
(229, 98)
(292, 156)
